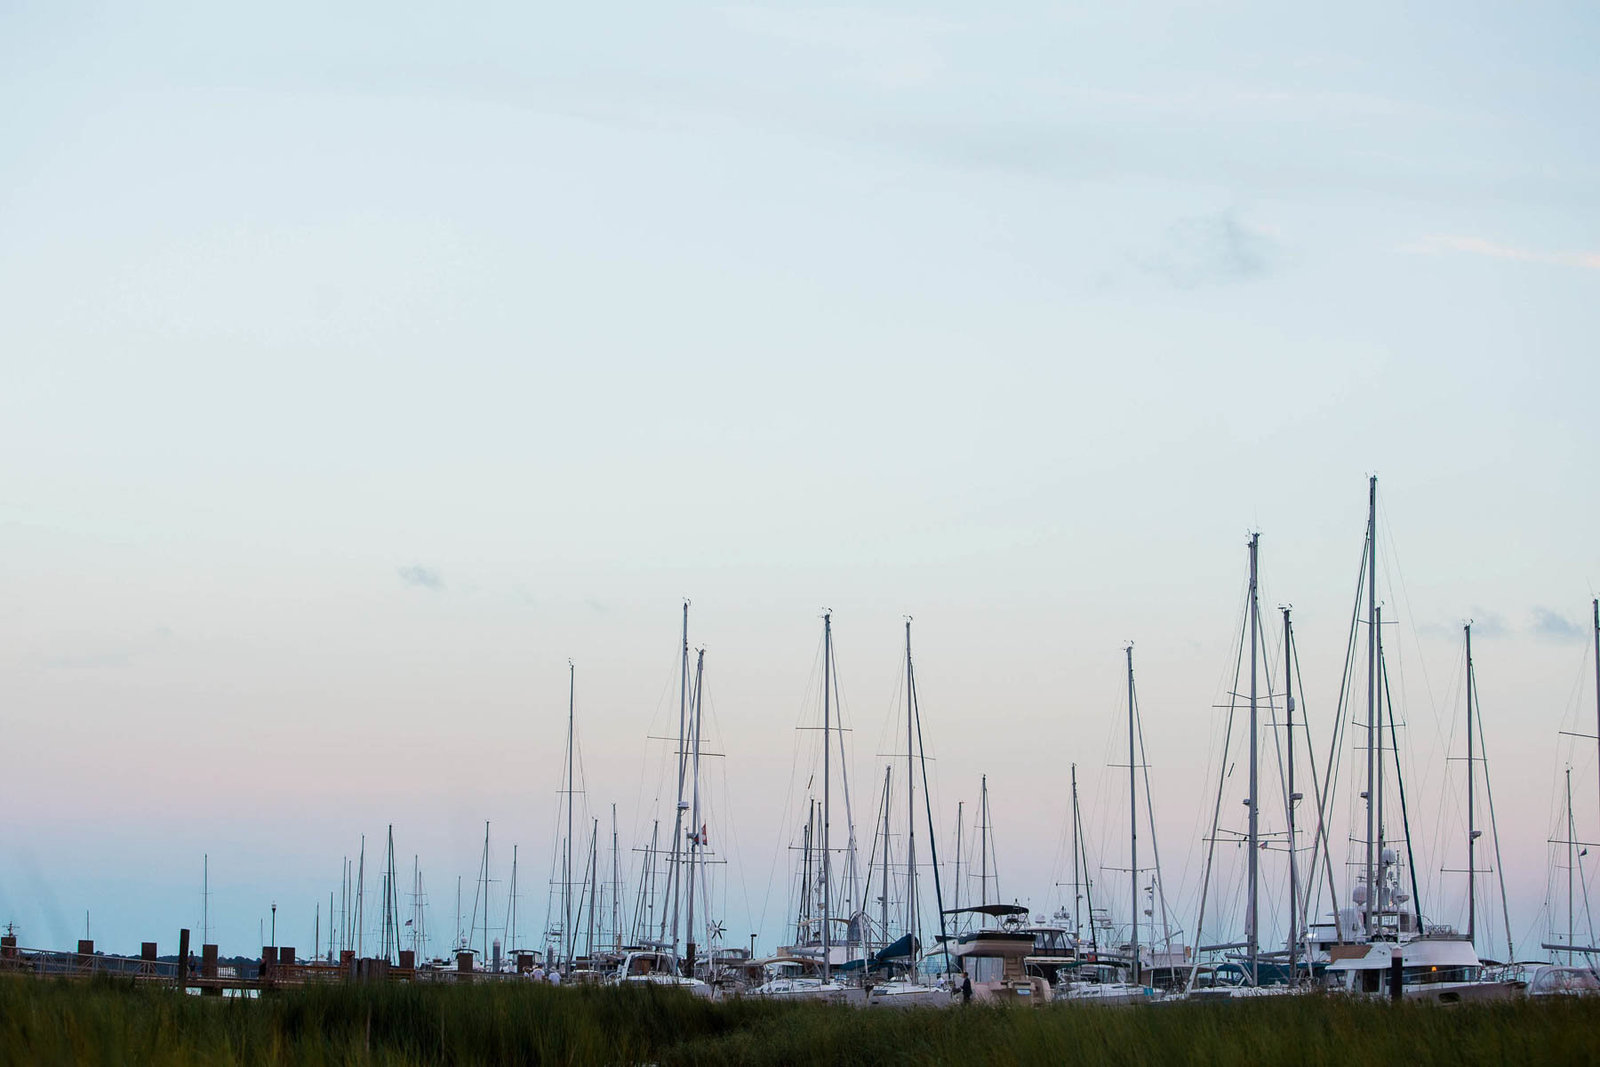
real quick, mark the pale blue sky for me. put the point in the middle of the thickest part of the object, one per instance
(1014, 319)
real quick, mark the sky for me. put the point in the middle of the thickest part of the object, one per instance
(364, 365)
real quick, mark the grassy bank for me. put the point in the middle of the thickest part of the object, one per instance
(112, 1023)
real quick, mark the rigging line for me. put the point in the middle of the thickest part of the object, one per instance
(1316, 786)
(1449, 804)
(1149, 809)
(1329, 782)
(790, 808)
(851, 873)
(1400, 782)
(734, 849)
(927, 801)
(872, 851)
(1494, 826)
(1393, 556)
(1216, 810)
(1197, 831)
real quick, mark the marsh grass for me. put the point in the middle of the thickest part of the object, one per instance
(111, 1022)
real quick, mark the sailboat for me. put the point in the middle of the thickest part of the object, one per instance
(1125, 979)
(1579, 974)
(1381, 945)
(657, 963)
(806, 970)
(909, 989)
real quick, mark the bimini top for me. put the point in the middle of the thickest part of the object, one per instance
(996, 911)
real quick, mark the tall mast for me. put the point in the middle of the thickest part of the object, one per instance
(1077, 891)
(1294, 798)
(683, 805)
(983, 843)
(1378, 787)
(511, 906)
(566, 865)
(616, 886)
(1133, 822)
(1472, 825)
(485, 957)
(361, 912)
(1572, 861)
(883, 899)
(827, 797)
(594, 883)
(1597, 671)
(1252, 913)
(1372, 698)
(695, 836)
(911, 806)
(391, 905)
(205, 901)
(416, 911)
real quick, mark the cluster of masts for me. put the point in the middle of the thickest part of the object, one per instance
(833, 920)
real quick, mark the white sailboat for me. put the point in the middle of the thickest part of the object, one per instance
(1381, 946)
(910, 989)
(817, 941)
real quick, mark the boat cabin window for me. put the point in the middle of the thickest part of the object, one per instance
(983, 968)
(1565, 981)
(1052, 942)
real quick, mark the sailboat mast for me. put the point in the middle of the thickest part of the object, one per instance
(594, 884)
(1133, 823)
(1294, 870)
(485, 957)
(695, 835)
(983, 842)
(1472, 825)
(1572, 861)
(361, 911)
(1252, 913)
(205, 901)
(1377, 741)
(566, 863)
(911, 806)
(883, 892)
(673, 880)
(511, 906)
(1372, 697)
(616, 886)
(827, 798)
(1077, 891)
(1597, 673)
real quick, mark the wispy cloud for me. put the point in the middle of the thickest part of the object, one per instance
(893, 51)
(421, 577)
(1213, 249)
(1485, 624)
(1553, 626)
(1435, 244)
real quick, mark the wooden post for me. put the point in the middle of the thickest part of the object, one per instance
(1396, 974)
(183, 959)
(209, 970)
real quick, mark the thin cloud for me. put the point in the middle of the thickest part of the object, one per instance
(1213, 249)
(1435, 244)
(1555, 627)
(421, 577)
